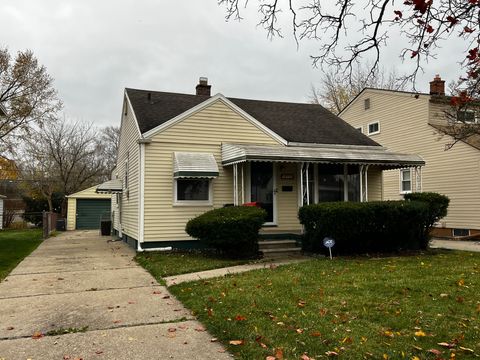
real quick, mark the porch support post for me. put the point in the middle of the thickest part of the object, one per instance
(365, 198)
(307, 184)
(243, 184)
(345, 182)
(235, 186)
(301, 183)
(361, 182)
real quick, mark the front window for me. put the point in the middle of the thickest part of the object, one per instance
(330, 183)
(405, 181)
(192, 190)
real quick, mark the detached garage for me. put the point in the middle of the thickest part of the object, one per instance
(86, 208)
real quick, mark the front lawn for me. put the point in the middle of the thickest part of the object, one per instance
(161, 264)
(15, 245)
(413, 307)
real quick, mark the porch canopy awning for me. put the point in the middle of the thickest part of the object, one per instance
(194, 165)
(361, 155)
(110, 187)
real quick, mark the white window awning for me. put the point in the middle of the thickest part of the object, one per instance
(194, 165)
(371, 155)
(110, 187)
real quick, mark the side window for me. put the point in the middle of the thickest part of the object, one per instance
(373, 128)
(405, 181)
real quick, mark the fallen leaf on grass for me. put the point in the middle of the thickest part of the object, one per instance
(388, 333)
(305, 357)
(331, 353)
(240, 318)
(435, 352)
(466, 349)
(157, 292)
(199, 328)
(447, 345)
(270, 358)
(299, 331)
(279, 354)
(172, 329)
(236, 342)
(301, 303)
(316, 334)
(461, 282)
(213, 340)
(420, 333)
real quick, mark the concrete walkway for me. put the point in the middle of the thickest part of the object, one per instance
(455, 245)
(111, 308)
(208, 274)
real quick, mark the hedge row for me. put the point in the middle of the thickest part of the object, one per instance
(231, 230)
(365, 227)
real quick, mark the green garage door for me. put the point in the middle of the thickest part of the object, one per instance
(89, 212)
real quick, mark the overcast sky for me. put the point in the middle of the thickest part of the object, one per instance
(96, 48)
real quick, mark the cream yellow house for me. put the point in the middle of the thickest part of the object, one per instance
(412, 123)
(181, 155)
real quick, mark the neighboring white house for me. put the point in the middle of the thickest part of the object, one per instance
(412, 123)
(181, 155)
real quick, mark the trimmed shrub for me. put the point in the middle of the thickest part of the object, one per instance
(231, 230)
(382, 226)
(437, 209)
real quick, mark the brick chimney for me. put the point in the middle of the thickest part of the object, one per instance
(203, 88)
(437, 86)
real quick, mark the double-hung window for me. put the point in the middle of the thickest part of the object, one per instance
(405, 181)
(193, 176)
(373, 128)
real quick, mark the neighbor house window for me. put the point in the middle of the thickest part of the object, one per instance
(366, 104)
(461, 232)
(193, 191)
(405, 181)
(373, 128)
(466, 116)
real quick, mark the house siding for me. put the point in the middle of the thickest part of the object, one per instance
(203, 131)
(127, 221)
(404, 127)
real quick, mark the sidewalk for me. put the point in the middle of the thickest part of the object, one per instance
(109, 307)
(178, 279)
(455, 245)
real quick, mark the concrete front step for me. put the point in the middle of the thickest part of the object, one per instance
(281, 252)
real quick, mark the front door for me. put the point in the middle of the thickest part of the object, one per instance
(262, 188)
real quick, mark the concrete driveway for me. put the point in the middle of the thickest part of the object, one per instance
(80, 296)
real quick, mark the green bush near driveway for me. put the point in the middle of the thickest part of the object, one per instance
(231, 230)
(15, 245)
(382, 226)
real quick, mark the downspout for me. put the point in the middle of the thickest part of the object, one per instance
(141, 205)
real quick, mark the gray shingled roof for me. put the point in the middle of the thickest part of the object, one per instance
(305, 123)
